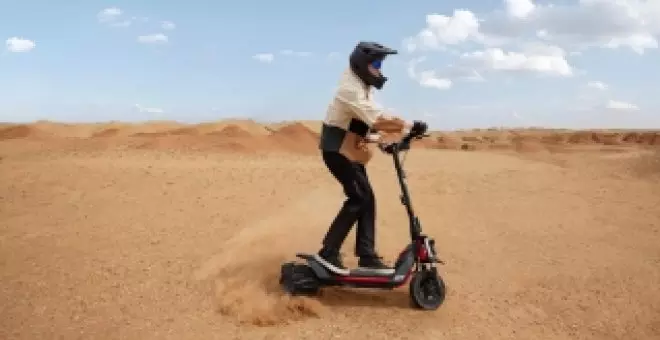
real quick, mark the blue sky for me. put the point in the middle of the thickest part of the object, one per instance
(587, 63)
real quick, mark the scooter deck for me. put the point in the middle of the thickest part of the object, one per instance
(354, 272)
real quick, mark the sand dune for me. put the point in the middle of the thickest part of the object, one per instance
(298, 136)
(162, 230)
(295, 137)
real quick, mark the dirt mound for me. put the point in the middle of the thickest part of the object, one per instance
(18, 131)
(246, 135)
(554, 138)
(532, 140)
(186, 143)
(65, 130)
(105, 133)
(295, 137)
(225, 137)
(232, 131)
(296, 131)
(581, 137)
(248, 125)
(603, 138)
(182, 131)
(528, 146)
(430, 142)
(199, 129)
(614, 138)
(521, 142)
(212, 128)
(164, 142)
(312, 125)
(237, 138)
(447, 141)
(145, 129)
(149, 134)
(645, 138)
(122, 129)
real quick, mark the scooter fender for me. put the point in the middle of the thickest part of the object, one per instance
(319, 270)
(404, 265)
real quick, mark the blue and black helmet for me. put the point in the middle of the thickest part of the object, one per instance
(366, 53)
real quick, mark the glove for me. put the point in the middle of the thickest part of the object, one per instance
(419, 128)
(386, 147)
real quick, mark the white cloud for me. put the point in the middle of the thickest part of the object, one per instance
(167, 25)
(157, 38)
(427, 78)
(542, 34)
(18, 45)
(471, 75)
(550, 63)
(141, 108)
(636, 42)
(519, 8)
(597, 85)
(581, 24)
(511, 40)
(264, 57)
(295, 53)
(109, 14)
(141, 19)
(123, 23)
(599, 101)
(461, 71)
(412, 65)
(444, 30)
(619, 105)
(527, 36)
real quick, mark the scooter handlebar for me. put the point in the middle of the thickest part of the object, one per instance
(403, 144)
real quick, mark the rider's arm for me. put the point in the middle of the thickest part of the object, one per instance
(368, 111)
(392, 124)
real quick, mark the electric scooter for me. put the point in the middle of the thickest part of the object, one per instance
(417, 263)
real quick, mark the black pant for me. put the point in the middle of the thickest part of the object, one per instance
(360, 206)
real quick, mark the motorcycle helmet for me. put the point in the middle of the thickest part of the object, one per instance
(366, 53)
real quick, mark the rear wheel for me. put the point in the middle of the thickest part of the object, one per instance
(427, 290)
(298, 279)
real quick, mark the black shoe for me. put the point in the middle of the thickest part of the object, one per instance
(373, 263)
(331, 259)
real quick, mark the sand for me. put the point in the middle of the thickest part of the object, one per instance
(169, 231)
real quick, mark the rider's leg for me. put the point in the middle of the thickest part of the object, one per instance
(347, 174)
(365, 243)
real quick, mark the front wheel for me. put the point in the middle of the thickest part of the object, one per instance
(427, 290)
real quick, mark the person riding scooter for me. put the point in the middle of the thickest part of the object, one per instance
(349, 118)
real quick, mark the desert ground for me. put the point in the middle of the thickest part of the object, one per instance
(162, 230)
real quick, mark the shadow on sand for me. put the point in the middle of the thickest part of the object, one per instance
(360, 297)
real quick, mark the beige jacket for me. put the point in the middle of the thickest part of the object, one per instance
(350, 115)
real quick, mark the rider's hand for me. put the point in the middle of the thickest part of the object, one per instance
(418, 128)
(386, 147)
